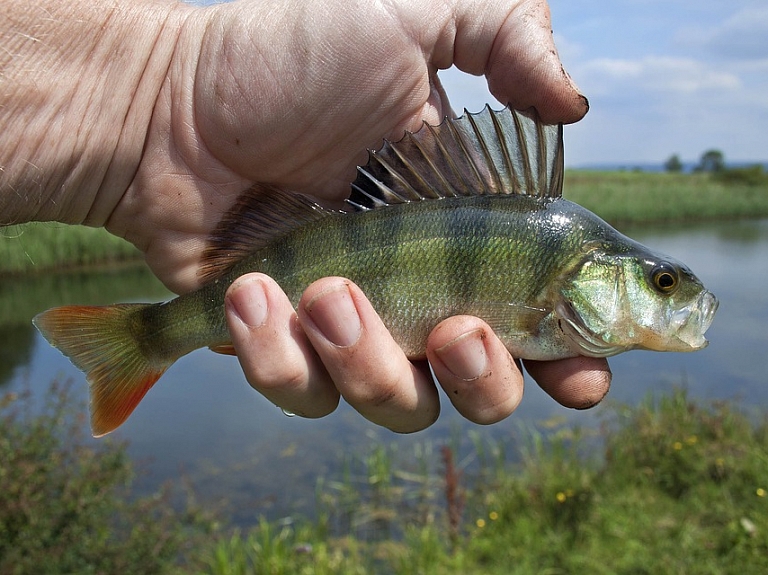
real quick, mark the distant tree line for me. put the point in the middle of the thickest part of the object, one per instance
(713, 162)
(673, 164)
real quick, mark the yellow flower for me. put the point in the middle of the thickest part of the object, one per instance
(480, 523)
(493, 516)
(691, 439)
(677, 446)
(761, 492)
(561, 497)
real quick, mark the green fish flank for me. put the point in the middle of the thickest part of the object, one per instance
(463, 218)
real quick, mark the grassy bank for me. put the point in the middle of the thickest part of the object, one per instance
(635, 197)
(674, 487)
(40, 247)
(619, 197)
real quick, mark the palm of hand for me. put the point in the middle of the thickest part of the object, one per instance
(294, 95)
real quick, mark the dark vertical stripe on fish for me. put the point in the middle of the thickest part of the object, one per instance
(212, 309)
(466, 236)
(383, 232)
(285, 257)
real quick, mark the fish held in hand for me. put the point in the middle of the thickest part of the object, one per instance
(462, 218)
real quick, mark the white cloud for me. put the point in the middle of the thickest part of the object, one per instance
(653, 74)
(743, 35)
(466, 91)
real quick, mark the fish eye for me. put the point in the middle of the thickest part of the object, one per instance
(665, 278)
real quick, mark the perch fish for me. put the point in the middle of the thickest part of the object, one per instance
(462, 218)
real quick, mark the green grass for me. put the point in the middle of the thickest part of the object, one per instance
(66, 506)
(618, 197)
(40, 247)
(678, 488)
(634, 197)
(681, 489)
(672, 486)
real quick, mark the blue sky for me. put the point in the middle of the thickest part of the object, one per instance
(662, 77)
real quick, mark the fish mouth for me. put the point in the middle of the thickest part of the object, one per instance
(683, 330)
(689, 324)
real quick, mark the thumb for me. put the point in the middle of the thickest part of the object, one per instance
(525, 69)
(512, 44)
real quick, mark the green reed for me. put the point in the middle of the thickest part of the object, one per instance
(40, 247)
(634, 197)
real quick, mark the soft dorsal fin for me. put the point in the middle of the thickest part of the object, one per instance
(261, 215)
(491, 152)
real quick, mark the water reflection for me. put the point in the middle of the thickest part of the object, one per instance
(204, 422)
(16, 341)
(21, 298)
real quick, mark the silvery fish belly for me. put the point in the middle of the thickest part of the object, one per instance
(462, 218)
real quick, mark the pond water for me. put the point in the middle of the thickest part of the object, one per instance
(202, 423)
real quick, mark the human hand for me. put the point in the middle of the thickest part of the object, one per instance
(291, 93)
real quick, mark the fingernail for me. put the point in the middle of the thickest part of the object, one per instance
(249, 301)
(465, 356)
(334, 313)
(585, 101)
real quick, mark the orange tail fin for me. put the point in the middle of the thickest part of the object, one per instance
(100, 342)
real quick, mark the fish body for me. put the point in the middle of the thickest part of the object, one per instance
(463, 218)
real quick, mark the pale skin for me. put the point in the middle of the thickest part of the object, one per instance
(150, 117)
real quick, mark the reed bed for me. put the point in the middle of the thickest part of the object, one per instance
(640, 197)
(40, 247)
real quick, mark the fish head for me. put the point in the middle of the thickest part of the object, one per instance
(634, 299)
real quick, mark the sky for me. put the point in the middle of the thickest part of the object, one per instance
(663, 77)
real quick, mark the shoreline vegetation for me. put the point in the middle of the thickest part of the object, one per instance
(621, 198)
(665, 487)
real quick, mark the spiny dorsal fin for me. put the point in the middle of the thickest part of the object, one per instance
(491, 152)
(261, 215)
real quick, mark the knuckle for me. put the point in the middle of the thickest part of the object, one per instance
(284, 376)
(370, 391)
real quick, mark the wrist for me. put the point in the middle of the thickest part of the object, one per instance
(78, 86)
